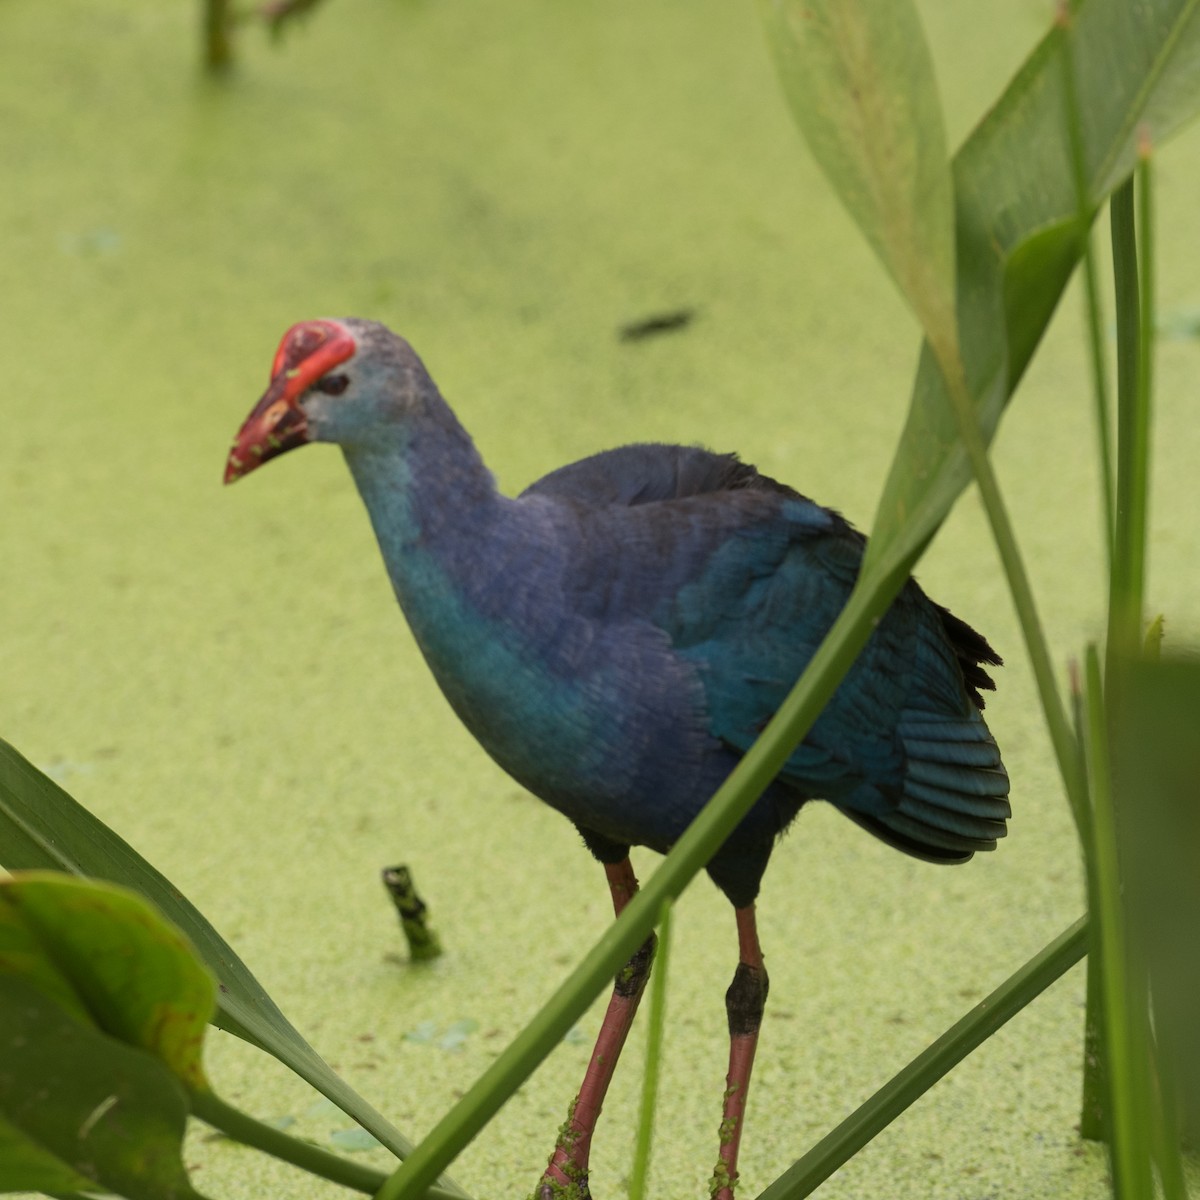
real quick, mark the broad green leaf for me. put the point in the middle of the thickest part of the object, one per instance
(134, 974)
(41, 826)
(27, 1167)
(1137, 68)
(1151, 47)
(22, 953)
(108, 1112)
(1050, 253)
(859, 78)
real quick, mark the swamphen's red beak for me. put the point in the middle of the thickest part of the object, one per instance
(277, 423)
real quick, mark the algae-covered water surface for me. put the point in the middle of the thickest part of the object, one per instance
(223, 677)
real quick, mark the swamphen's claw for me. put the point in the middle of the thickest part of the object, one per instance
(559, 1189)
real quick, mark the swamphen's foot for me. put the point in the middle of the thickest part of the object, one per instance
(559, 1189)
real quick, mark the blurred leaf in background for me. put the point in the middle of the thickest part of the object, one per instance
(1157, 788)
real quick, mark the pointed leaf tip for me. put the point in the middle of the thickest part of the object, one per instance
(860, 82)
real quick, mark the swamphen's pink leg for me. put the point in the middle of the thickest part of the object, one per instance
(568, 1167)
(744, 1003)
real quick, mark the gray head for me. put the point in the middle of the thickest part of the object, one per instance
(332, 381)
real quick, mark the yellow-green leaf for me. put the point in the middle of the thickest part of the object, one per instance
(130, 970)
(23, 954)
(27, 1167)
(859, 78)
(109, 1113)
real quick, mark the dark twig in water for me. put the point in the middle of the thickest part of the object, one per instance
(652, 326)
(422, 941)
(218, 49)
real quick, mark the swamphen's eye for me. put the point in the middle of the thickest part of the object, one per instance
(332, 385)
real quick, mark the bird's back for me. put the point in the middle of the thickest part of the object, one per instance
(745, 576)
(648, 472)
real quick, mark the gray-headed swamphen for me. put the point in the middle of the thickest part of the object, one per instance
(616, 637)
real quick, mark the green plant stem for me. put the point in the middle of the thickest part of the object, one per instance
(1092, 1113)
(1092, 1110)
(1085, 214)
(873, 593)
(1031, 625)
(654, 1042)
(1126, 592)
(1145, 214)
(842, 1143)
(1093, 1105)
(1101, 393)
(1125, 1060)
(250, 1132)
(1135, 1108)
(1143, 414)
(1100, 390)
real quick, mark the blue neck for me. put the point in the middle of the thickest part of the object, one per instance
(425, 487)
(465, 562)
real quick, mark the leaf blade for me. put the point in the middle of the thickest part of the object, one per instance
(27, 1167)
(112, 1114)
(860, 82)
(137, 976)
(1013, 182)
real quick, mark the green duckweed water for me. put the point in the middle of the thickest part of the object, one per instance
(221, 674)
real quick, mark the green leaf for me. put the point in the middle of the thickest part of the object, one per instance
(859, 78)
(41, 826)
(1050, 253)
(134, 974)
(110, 1114)
(27, 1167)
(1156, 764)
(22, 953)
(1137, 68)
